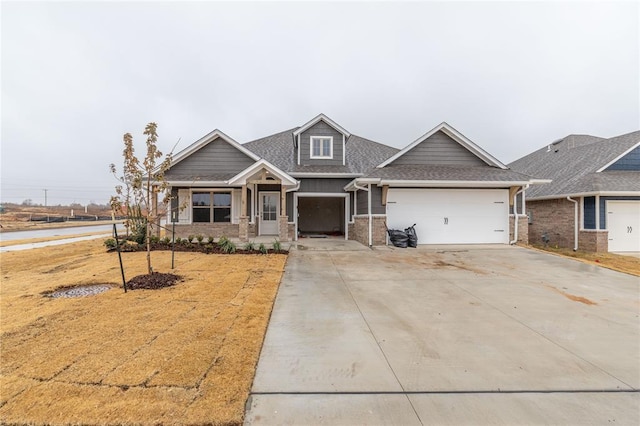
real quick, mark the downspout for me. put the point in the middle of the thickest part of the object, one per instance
(515, 214)
(575, 221)
(368, 189)
(294, 209)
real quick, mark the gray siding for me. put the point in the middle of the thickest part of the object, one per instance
(439, 149)
(320, 129)
(216, 157)
(631, 161)
(323, 185)
(376, 201)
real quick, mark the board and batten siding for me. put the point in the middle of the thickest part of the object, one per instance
(320, 129)
(376, 201)
(216, 157)
(439, 149)
(631, 161)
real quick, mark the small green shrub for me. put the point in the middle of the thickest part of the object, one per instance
(262, 248)
(210, 239)
(226, 246)
(190, 238)
(178, 240)
(249, 246)
(277, 246)
(166, 240)
(154, 239)
(110, 243)
(200, 238)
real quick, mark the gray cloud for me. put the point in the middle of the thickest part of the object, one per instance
(510, 76)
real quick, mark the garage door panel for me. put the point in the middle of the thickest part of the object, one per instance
(623, 224)
(450, 216)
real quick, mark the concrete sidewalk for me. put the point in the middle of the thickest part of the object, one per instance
(448, 335)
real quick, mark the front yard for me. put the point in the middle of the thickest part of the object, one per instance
(180, 355)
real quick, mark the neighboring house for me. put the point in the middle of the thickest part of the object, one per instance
(321, 179)
(593, 201)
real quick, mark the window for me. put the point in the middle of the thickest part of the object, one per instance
(321, 147)
(211, 207)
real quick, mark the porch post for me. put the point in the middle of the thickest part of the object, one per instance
(283, 226)
(243, 232)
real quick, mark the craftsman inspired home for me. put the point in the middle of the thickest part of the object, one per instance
(319, 179)
(593, 201)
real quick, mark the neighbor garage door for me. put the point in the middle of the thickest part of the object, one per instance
(451, 216)
(623, 224)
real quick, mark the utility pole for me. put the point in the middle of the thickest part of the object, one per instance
(45, 197)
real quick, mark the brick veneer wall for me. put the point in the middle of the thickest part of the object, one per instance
(215, 230)
(360, 230)
(593, 240)
(553, 217)
(556, 218)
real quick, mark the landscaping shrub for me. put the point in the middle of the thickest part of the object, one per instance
(277, 246)
(200, 238)
(110, 243)
(262, 248)
(249, 246)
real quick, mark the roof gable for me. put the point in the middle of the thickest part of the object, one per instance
(316, 119)
(205, 140)
(452, 140)
(628, 160)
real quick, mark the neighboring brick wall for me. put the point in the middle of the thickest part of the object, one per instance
(523, 229)
(292, 231)
(359, 231)
(215, 230)
(553, 217)
(592, 240)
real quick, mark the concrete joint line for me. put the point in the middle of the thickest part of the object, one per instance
(457, 392)
(377, 342)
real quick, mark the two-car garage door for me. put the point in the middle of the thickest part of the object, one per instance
(451, 216)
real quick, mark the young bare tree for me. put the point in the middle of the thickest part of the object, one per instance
(141, 183)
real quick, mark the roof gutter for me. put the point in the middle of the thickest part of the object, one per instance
(515, 214)
(587, 194)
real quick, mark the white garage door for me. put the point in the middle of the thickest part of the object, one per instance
(623, 223)
(451, 216)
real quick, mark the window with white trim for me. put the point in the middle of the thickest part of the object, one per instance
(211, 207)
(321, 146)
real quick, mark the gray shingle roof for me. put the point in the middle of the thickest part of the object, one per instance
(211, 177)
(572, 164)
(448, 173)
(362, 154)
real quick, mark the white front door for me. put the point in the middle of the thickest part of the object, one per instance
(269, 213)
(623, 224)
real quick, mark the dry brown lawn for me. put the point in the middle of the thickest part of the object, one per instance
(180, 355)
(617, 262)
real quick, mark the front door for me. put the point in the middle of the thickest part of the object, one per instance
(269, 213)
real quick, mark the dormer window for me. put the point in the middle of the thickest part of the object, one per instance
(321, 146)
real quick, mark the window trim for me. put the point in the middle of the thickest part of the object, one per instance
(321, 138)
(211, 207)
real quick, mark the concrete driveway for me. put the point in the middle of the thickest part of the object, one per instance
(448, 335)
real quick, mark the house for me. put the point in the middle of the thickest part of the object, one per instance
(319, 179)
(593, 201)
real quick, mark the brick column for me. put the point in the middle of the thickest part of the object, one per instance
(283, 228)
(243, 232)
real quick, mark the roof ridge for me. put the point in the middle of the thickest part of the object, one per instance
(273, 134)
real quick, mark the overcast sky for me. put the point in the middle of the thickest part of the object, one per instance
(511, 77)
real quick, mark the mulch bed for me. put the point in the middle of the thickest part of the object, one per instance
(192, 248)
(153, 281)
